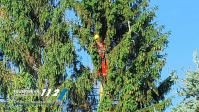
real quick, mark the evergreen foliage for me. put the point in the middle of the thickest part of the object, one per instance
(133, 44)
(35, 38)
(190, 90)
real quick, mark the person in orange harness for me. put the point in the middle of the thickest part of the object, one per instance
(101, 50)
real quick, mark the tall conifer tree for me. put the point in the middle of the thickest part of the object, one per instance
(35, 38)
(133, 52)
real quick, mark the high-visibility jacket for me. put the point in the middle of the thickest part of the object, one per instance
(101, 50)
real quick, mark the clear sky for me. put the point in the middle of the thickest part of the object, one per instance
(181, 17)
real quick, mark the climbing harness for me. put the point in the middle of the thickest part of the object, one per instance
(101, 50)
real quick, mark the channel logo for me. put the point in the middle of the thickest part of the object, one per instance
(45, 93)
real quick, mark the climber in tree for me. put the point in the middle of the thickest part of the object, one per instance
(101, 49)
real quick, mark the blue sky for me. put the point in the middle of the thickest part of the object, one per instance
(181, 17)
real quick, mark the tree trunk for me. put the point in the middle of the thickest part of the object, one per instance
(101, 89)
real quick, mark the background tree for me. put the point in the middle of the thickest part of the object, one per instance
(35, 38)
(133, 44)
(189, 90)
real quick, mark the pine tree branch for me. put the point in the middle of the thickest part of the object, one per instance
(25, 54)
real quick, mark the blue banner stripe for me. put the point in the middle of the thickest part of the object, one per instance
(62, 94)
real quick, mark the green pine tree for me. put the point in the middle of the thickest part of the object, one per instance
(190, 90)
(133, 52)
(35, 38)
